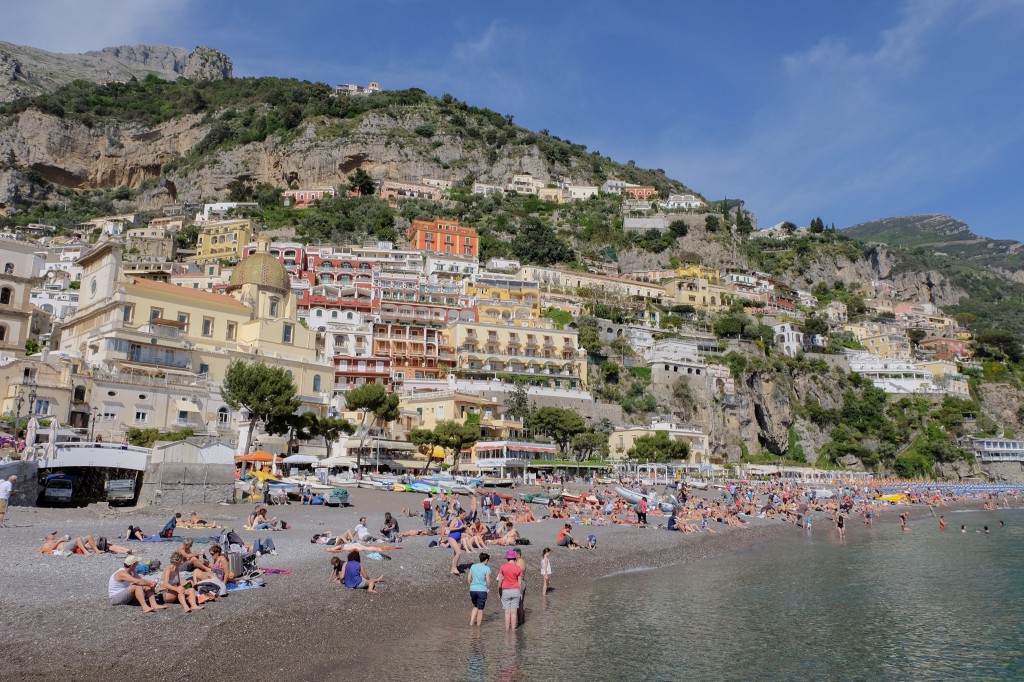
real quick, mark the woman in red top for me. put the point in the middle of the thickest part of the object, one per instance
(511, 576)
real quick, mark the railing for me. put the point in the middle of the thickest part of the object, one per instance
(149, 359)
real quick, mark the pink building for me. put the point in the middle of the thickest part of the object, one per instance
(304, 198)
(393, 190)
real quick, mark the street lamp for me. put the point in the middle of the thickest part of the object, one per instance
(92, 424)
(19, 399)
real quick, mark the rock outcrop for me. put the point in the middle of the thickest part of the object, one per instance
(26, 71)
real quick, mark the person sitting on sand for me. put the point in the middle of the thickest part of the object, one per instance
(261, 522)
(390, 528)
(168, 529)
(508, 537)
(565, 538)
(219, 565)
(190, 557)
(354, 575)
(135, 533)
(172, 589)
(362, 532)
(473, 537)
(126, 588)
(525, 515)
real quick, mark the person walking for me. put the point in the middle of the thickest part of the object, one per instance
(428, 510)
(486, 502)
(641, 513)
(545, 569)
(6, 488)
(841, 525)
(479, 582)
(511, 585)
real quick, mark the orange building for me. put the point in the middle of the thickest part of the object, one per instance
(444, 236)
(639, 191)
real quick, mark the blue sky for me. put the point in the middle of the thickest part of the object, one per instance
(848, 111)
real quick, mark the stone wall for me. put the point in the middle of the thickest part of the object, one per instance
(175, 483)
(26, 488)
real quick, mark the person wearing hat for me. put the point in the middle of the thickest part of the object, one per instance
(6, 487)
(126, 588)
(511, 576)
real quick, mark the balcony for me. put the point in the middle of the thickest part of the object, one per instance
(159, 360)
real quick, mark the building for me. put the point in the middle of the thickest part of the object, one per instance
(881, 339)
(788, 338)
(639, 192)
(306, 197)
(540, 354)
(444, 236)
(450, 267)
(414, 299)
(393, 190)
(552, 194)
(991, 450)
(20, 264)
(224, 210)
(698, 292)
(687, 271)
(524, 183)
(415, 351)
(223, 240)
(673, 359)
(504, 301)
(902, 376)
(573, 280)
(506, 458)
(204, 277)
(485, 189)
(357, 90)
(835, 313)
(682, 202)
(956, 350)
(581, 192)
(613, 186)
(56, 298)
(621, 440)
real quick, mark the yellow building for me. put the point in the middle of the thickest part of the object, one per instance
(883, 340)
(688, 271)
(621, 440)
(699, 292)
(569, 280)
(540, 353)
(505, 301)
(223, 240)
(433, 407)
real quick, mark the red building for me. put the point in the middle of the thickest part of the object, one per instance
(947, 349)
(639, 192)
(444, 236)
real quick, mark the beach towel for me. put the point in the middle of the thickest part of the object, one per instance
(156, 538)
(238, 587)
(191, 527)
(277, 571)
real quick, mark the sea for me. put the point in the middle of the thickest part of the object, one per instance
(883, 605)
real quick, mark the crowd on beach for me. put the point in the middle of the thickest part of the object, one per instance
(491, 527)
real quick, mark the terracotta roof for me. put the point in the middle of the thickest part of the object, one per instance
(197, 294)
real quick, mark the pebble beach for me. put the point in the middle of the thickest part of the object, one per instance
(56, 622)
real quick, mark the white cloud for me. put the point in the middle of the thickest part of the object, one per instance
(888, 124)
(72, 26)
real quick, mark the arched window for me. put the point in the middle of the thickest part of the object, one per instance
(9, 269)
(3, 332)
(316, 382)
(79, 394)
(222, 416)
(273, 307)
(5, 296)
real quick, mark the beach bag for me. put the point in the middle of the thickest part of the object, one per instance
(147, 566)
(233, 538)
(522, 541)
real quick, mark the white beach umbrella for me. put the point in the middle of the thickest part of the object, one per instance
(31, 431)
(51, 445)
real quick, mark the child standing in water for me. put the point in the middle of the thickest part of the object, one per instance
(545, 568)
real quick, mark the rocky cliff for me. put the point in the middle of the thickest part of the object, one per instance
(28, 71)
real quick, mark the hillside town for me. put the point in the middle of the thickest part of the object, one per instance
(116, 331)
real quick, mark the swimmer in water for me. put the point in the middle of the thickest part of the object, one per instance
(963, 529)
(942, 523)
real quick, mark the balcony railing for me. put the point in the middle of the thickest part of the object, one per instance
(162, 361)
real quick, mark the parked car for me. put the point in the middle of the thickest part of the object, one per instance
(59, 489)
(120, 490)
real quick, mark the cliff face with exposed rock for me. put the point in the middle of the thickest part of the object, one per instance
(26, 71)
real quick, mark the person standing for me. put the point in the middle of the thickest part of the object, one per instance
(486, 502)
(479, 582)
(521, 611)
(841, 525)
(511, 584)
(428, 510)
(6, 488)
(942, 523)
(473, 502)
(903, 521)
(545, 569)
(641, 513)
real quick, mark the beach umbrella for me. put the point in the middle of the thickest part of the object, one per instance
(51, 445)
(299, 459)
(31, 431)
(257, 456)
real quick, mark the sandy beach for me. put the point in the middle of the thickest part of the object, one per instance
(55, 620)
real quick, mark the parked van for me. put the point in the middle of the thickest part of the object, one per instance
(59, 489)
(120, 490)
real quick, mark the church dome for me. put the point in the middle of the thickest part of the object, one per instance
(261, 268)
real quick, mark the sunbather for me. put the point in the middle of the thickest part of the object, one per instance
(360, 547)
(104, 546)
(508, 537)
(65, 545)
(125, 587)
(220, 566)
(354, 575)
(172, 589)
(134, 533)
(196, 520)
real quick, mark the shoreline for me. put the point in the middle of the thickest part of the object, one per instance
(56, 614)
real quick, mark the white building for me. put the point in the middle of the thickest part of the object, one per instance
(998, 449)
(613, 186)
(57, 298)
(224, 209)
(899, 376)
(677, 202)
(485, 189)
(448, 266)
(581, 192)
(788, 338)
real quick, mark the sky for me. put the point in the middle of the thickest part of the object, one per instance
(847, 111)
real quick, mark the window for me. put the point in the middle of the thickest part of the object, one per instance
(112, 394)
(223, 416)
(286, 336)
(3, 332)
(108, 416)
(9, 269)
(42, 406)
(127, 313)
(316, 382)
(155, 313)
(232, 328)
(273, 307)
(207, 327)
(141, 417)
(5, 296)
(204, 368)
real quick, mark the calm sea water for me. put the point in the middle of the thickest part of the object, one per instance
(884, 605)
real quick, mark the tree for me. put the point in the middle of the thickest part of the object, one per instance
(817, 226)
(916, 336)
(711, 223)
(32, 346)
(678, 228)
(362, 182)
(814, 326)
(451, 436)
(589, 444)
(998, 344)
(371, 399)
(328, 428)
(537, 242)
(658, 448)
(559, 423)
(187, 237)
(517, 403)
(788, 227)
(610, 371)
(264, 392)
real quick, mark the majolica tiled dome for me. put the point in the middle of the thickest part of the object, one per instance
(262, 269)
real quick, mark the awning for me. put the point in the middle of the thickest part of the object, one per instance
(186, 405)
